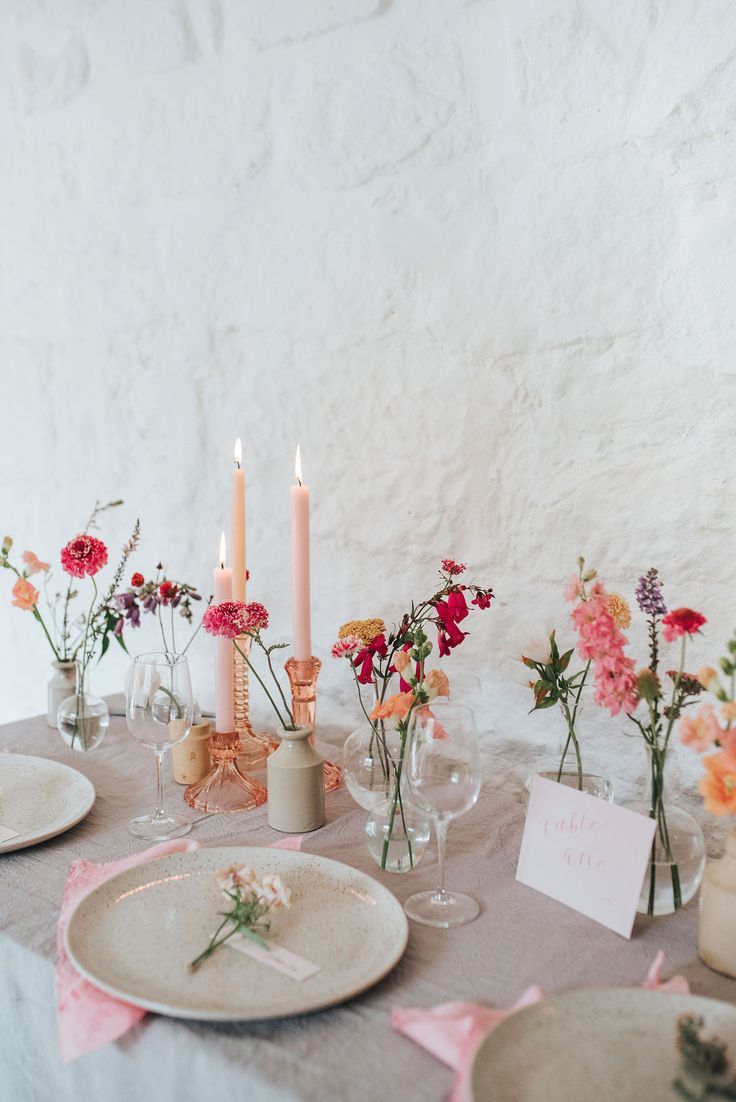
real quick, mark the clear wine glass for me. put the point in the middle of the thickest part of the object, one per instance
(443, 772)
(159, 709)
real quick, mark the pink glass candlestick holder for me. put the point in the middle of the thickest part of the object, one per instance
(255, 747)
(226, 787)
(303, 674)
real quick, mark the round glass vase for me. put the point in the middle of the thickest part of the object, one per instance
(83, 718)
(63, 683)
(571, 772)
(397, 833)
(677, 860)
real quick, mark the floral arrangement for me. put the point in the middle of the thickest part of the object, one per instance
(155, 597)
(233, 619)
(711, 732)
(84, 557)
(64, 632)
(554, 685)
(377, 658)
(252, 902)
(621, 687)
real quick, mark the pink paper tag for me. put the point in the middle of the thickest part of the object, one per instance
(276, 957)
(586, 853)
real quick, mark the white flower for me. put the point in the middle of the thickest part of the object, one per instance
(238, 877)
(274, 892)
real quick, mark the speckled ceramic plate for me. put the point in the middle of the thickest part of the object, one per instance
(135, 935)
(611, 1045)
(40, 798)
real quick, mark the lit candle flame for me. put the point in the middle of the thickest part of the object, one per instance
(222, 551)
(298, 464)
(238, 453)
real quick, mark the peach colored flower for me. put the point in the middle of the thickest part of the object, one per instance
(718, 784)
(700, 731)
(707, 676)
(401, 661)
(436, 684)
(34, 564)
(728, 710)
(25, 595)
(396, 707)
(574, 589)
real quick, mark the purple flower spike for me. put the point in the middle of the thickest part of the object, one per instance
(648, 594)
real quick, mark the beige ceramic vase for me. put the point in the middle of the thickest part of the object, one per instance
(717, 936)
(296, 784)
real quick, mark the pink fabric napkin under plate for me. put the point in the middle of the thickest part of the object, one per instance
(453, 1031)
(88, 1018)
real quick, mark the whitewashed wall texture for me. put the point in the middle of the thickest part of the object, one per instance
(477, 257)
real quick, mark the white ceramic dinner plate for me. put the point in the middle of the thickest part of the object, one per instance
(611, 1045)
(40, 798)
(135, 935)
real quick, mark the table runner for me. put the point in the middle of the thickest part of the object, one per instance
(350, 1053)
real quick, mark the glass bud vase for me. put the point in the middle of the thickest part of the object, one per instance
(574, 774)
(367, 767)
(83, 719)
(398, 845)
(63, 683)
(677, 860)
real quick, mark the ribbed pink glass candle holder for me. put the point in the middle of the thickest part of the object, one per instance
(255, 747)
(303, 674)
(225, 788)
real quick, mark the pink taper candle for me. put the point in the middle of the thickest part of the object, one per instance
(300, 565)
(238, 517)
(224, 719)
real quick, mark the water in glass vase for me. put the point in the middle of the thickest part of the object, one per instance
(83, 720)
(408, 839)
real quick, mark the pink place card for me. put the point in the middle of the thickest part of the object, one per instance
(585, 852)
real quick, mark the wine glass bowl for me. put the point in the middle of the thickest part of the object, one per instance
(443, 774)
(159, 710)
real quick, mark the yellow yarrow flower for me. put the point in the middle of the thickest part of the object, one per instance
(619, 609)
(366, 630)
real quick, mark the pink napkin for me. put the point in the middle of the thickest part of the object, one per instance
(453, 1031)
(89, 1018)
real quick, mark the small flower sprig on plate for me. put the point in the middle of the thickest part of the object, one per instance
(252, 902)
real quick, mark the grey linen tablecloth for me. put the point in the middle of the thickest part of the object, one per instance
(347, 1054)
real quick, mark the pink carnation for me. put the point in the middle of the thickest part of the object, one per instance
(255, 616)
(225, 619)
(351, 644)
(234, 618)
(451, 567)
(84, 555)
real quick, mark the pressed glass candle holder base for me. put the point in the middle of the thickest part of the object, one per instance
(226, 787)
(303, 674)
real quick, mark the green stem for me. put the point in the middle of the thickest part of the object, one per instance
(276, 680)
(262, 683)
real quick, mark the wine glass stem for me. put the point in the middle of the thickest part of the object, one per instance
(159, 784)
(440, 828)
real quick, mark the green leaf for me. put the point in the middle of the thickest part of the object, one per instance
(564, 661)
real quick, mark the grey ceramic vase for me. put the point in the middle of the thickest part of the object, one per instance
(296, 785)
(62, 684)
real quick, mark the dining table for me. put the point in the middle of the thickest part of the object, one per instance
(349, 1053)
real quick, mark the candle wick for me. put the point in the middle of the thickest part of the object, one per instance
(299, 481)
(237, 464)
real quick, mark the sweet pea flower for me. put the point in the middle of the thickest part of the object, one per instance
(25, 595)
(34, 564)
(718, 783)
(396, 707)
(700, 731)
(436, 683)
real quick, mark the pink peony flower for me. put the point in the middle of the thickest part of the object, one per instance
(449, 566)
(34, 564)
(681, 621)
(349, 645)
(702, 730)
(84, 555)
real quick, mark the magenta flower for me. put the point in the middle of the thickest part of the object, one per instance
(482, 600)
(681, 621)
(351, 644)
(84, 555)
(457, 605)
(364, 658)
(255, 616)
(225, 619)
(451, 567)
